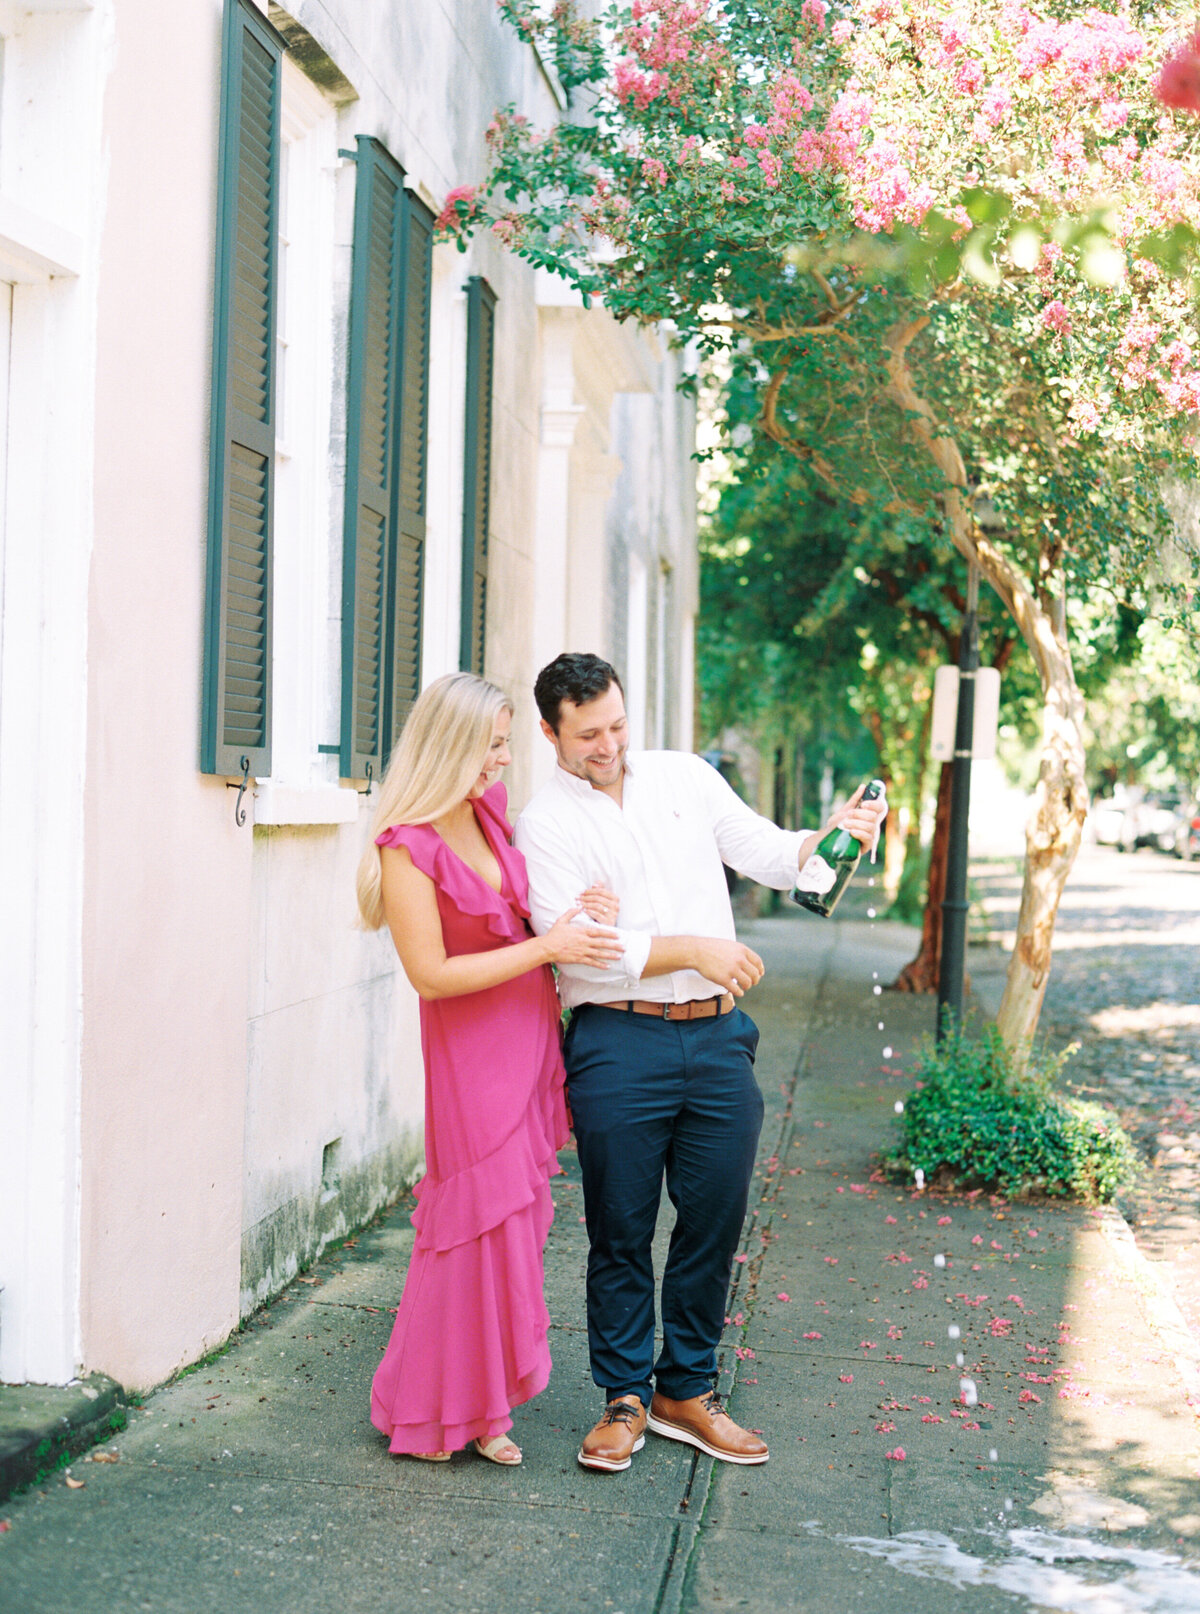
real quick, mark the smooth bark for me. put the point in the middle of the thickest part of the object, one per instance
(1055, 826)
(921, 973)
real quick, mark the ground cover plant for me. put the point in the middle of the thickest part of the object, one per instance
(982, 1116)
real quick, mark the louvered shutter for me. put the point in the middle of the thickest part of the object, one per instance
(386, 454)
(235, 734)
(372, 392)
(477, 472)
(412, 448)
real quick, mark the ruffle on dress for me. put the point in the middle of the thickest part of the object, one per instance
(471, 894)
(483, 1305)
(453, 1210)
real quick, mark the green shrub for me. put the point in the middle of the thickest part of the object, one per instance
(979, 1117)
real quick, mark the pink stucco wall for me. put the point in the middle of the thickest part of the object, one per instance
(165, 926)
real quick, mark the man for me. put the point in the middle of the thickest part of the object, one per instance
(660, 1061)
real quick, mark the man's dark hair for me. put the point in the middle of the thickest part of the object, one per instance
(574, 678)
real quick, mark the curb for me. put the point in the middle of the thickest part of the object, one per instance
(43, 1426)
(1161, 1308)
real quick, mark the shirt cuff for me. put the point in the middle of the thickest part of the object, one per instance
(637, 953)
(789, 864)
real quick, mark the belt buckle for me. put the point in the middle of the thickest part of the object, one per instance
(667, 1007)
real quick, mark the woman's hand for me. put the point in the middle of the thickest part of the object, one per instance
(567, 943)
(600, 904)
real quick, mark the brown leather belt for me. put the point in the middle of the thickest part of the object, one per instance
(696, 1009)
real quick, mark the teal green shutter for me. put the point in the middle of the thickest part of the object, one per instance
(235, 736)
(386, 452)
(372, 382)
(413, 451)
(477, 472)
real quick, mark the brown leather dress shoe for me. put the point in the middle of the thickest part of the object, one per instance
(621, 1431)
(703, 1422)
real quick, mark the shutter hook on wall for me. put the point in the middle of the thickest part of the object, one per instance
(239, 812)
(369, 776)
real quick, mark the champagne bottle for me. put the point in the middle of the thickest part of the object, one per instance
(826, 874)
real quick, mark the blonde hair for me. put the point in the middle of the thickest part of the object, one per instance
(438, 757)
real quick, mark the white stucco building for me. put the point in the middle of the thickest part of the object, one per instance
(258, 429)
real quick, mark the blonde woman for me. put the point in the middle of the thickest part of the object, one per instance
(469, 1341)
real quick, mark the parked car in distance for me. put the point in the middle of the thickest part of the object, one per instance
(1104, 820)
(1157, 819)
(1131, 819)
(1187, 831)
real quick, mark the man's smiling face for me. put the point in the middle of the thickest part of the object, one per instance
(592, 739)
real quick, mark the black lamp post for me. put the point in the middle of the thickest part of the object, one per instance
(954, 902)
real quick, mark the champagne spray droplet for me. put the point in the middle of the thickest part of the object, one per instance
(899, 1106)
(879, 1027)
(939, 1260)
(970, 1393)
(960, 1359)
(954, 1331)
(878, 991)
(919, 1177)
(888, 1051)
(870, 913)
(993, 1455)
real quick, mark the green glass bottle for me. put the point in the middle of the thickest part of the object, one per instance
(826, 874)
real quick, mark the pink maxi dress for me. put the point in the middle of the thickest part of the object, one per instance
(469, 1341)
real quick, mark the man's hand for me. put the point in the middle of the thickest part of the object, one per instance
(863, 819)
(727, 963)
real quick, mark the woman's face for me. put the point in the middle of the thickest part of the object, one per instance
(498, 755)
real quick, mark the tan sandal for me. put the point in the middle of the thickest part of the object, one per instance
(429, 1456)
(492, 1448)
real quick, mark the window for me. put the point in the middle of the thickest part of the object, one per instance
(386, 457)
(477, 471)
(304, 702)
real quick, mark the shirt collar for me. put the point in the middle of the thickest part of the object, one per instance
(575, 786)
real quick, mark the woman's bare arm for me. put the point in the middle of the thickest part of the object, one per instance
(410, 907)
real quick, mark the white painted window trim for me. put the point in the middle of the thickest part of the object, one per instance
(303, 787)
(49, 378)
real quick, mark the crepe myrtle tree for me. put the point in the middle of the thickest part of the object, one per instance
(931, 235)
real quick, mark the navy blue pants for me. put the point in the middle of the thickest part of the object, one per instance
(650, 1098)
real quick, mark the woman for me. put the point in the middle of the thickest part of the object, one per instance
(469, 1342)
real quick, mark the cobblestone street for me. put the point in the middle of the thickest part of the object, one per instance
(1125, 985)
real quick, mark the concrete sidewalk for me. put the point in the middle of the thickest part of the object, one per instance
(257, 1482)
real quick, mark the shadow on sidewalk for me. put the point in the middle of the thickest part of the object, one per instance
(1069, 1482)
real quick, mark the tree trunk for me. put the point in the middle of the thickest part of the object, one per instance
(921, 974)
(1052, 839)
(1055, 827)
(893, 853)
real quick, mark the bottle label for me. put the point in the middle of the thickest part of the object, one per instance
(816, 875)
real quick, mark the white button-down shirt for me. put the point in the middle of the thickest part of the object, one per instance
(661, 851)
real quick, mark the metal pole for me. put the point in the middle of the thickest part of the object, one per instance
(954, 904)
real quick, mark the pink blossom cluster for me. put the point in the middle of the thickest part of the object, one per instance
(1084, 415)
(636, 87)
(1178, 83)
(1166, 179)
(812, 13)
(509, 228)
(1084, 50)
(849, 116)
(669, 40)
(790, 100)
(661, 34)
(459, 208)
